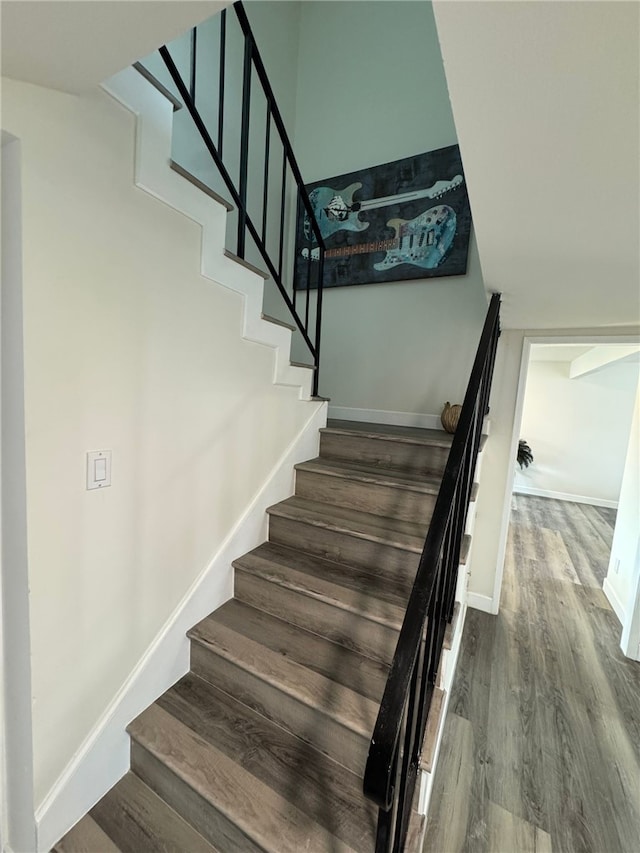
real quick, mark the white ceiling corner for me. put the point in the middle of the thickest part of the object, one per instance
(546, 101)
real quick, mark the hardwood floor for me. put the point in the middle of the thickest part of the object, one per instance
(541, 748)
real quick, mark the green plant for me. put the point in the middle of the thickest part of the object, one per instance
(525, 456)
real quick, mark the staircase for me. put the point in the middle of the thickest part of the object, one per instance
(262, 745)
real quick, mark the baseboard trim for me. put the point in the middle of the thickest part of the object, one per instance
(564, 496)
(381, 416)
(103, 758)
(614, 601)
(481, 602)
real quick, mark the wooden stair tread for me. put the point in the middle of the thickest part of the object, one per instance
(141, 822)
(450, 631)
(278, 322)
(382, 587)
(269, 821)
(390, 432)
(363, 525)
(353, 711)
(465, 547)
(425, 484)
(313, 782)
(434, 721)
(246, 264)
(189, 176)
(337, 663)
(86, 837)
(373, 597)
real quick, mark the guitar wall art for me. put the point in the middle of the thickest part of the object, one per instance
(403, 220)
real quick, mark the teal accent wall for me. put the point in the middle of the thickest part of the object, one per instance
(372, 89)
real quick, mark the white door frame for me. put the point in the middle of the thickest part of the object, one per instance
(528, 341)
(17, 826)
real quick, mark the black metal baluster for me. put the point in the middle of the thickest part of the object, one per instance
(316, 376)
(306, 309)
(383, 831)
(283, 199)
(409, 767)
(297, 267)
(439, 624)
(194, 50)
(265, 194)
(221, 78)
(244, 147)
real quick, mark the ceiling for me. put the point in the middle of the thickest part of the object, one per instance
(73, 46)
(546, 102)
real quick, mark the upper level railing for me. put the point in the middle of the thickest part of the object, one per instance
(394, 752)
(259, 168)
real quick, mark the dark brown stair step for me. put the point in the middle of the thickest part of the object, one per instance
(385, 446)
(139, 821)
(353, 618)
(321, 711)
(390, 432)
(350, 578)
(362, 674)
(427, 484)
(225, 803)
(364, 525)
(318, 786)
(85, 837)
(402, 495)
(435, 720)
(379, 545)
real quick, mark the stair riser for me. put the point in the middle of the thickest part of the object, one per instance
(309, 724)
(374, 557)
(419, 459)
(385, 501)
(349, 629)
(202, 816)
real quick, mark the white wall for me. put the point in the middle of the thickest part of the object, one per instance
(127, 348)
(371, 89)
(622, 583)
(494, 499)
(578, 430)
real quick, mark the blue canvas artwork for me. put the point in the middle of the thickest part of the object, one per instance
(403, 220)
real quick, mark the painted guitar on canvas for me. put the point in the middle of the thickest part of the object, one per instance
(422, 242)
(335, 210)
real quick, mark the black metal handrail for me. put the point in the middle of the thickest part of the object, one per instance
(252, 63)
(394, 752)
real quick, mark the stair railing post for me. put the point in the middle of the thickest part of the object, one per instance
(244, 147)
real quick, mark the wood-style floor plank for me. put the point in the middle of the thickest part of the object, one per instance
(550, 756)
(508, 832)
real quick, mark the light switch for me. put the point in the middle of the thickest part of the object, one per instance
(98, 469)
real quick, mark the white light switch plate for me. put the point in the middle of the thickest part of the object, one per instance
(98, 469)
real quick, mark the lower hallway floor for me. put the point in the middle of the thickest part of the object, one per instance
(541, 747)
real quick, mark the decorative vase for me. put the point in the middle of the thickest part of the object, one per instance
(450, 416)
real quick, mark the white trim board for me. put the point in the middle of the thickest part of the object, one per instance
(614, 601)
(154, 125)
(564, 496)
(104, 756)
(485, 603)
(380, 416)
